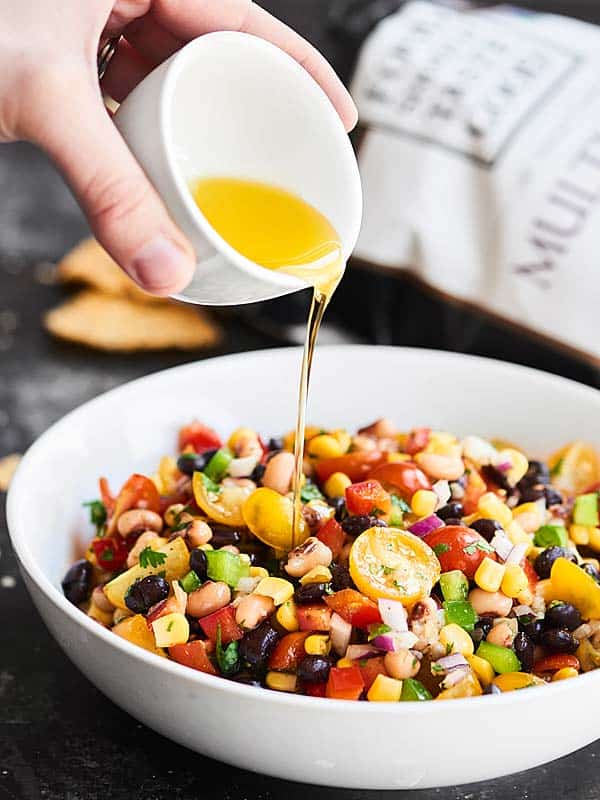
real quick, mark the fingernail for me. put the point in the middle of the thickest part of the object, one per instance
(160, 265)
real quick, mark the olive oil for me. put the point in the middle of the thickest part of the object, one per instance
(279, 231)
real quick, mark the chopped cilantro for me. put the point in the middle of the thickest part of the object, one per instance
(388, 570)
(557, 468)
(108, 554)
(377, 512)
(400, 586)
(97, 514)
(169, 626)
(151, 558)
(448, 648)
(180, 526)
(310, 491)
(227, 657)
(440, 548)
(470, 549)
(378, 630)
(436, 668)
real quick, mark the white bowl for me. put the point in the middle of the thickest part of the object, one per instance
(338, 743)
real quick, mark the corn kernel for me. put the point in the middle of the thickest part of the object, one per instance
(336, 484)
(343, 438)
(396, 458)
(595, 539)
(318, 574)
(324, 446)
(286, 616)
(281, 681)
(564, 673)
(456, 640)
(518, 536)
(170, 630)
(491, 507)
(529, 516)
(278, 589)
(423, 502)
(514, 581)
(510, 681)
(482, 669)
(344, 662)
(104, 617)
(385, 690)
(207, 546)
(443, 444)
(317, 645)
(167, 473)
(580, 534)
(489, 575)
(259, 572)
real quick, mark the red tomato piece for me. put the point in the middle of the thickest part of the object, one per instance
(225, 619)
(417, 440)
(474, 488)
(403, 477)
(368, 497)
(200, 437)
(288, 651)
(138, 492)
(355, 465)
(345, 683)
(354, 607)
(314, 617)
(459, 547)
(554, 663)
(314, 689)
(195, 655)
(370, 668)
(332, 534)
(111, 553)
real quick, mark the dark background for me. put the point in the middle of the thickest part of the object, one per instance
(59, 737)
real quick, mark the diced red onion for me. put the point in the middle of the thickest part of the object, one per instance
(340, 632)
(424, 526)
(453, 661)
(517, 554)
(242, 467)
(385, 642)
(502, 544)
(454, 677)
(356, 651)
(393, 614)
(442, 489)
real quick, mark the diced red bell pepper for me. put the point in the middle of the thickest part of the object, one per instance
(195, 655)
(200, 437)
(288, 651)
(314, 689)
(417, 440)
(555, 662)
(368, 497)
(138, 492)
(111, 553)
(475, 487)
(370, 668)
(225, 618)
(315, 617)
(403, 477)
(332, 534)
(345, 683)
(354, 607)
(355, 465)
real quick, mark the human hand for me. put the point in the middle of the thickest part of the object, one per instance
(50, 95)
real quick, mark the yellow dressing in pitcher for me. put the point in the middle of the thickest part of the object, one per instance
(278, 230)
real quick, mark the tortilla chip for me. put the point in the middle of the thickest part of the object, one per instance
(8, 466)
(89, 264)
(116, 324)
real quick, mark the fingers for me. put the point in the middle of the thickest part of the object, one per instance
(126, 69)
(152, 41)
(122, 207)
(186, 19)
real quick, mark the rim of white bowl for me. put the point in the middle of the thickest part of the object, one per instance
(16, 527)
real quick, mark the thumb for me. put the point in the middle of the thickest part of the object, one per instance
(123, 209)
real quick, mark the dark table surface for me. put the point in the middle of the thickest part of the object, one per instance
(59, 737)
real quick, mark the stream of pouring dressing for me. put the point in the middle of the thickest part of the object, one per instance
(278, 230)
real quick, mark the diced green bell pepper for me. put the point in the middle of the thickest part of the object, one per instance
(217, 466)
(413, 689)
(549, 535)
(585, 510)
(454, 585)
(461, 612)
(190, 582)
(225, 566)
(502, 659)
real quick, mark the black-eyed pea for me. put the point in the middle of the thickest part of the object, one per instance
(501, 634)
(101, 600)
(198, 533)
(139, 519)
(147, 539)
(252, 610)
(279, 472)
(210, 597)
(176, 514)
(401, 664)
(311, 553)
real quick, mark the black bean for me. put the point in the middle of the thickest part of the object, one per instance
(532, 493)
(77, 583)
(340, 577)
(537, 472)
(492, 689)
(314, 669)
(562, 615)
(257, 645)
(531, 626)
(591, 570)
(257, 473)
(453, 521)
(199, 563)
(248, 679)
(454, 510)
(310, 593)
(525, 651)
(494, 475)
(482, 627)
(145, 593)
(188, 463)
(339, 505)
(553, 497)
(223, 535)
(559, 641)
(195, 628)
(487, 528)
(354, 526)
(545, 560)
(275, 443)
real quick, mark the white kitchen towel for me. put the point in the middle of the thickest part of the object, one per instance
(480, 161)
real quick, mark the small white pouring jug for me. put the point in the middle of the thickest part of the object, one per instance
(233, 105)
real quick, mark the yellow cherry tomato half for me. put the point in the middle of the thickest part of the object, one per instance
(224, 506)
(574, 467)
(392, 563)
(269, 516)
(571, 584)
